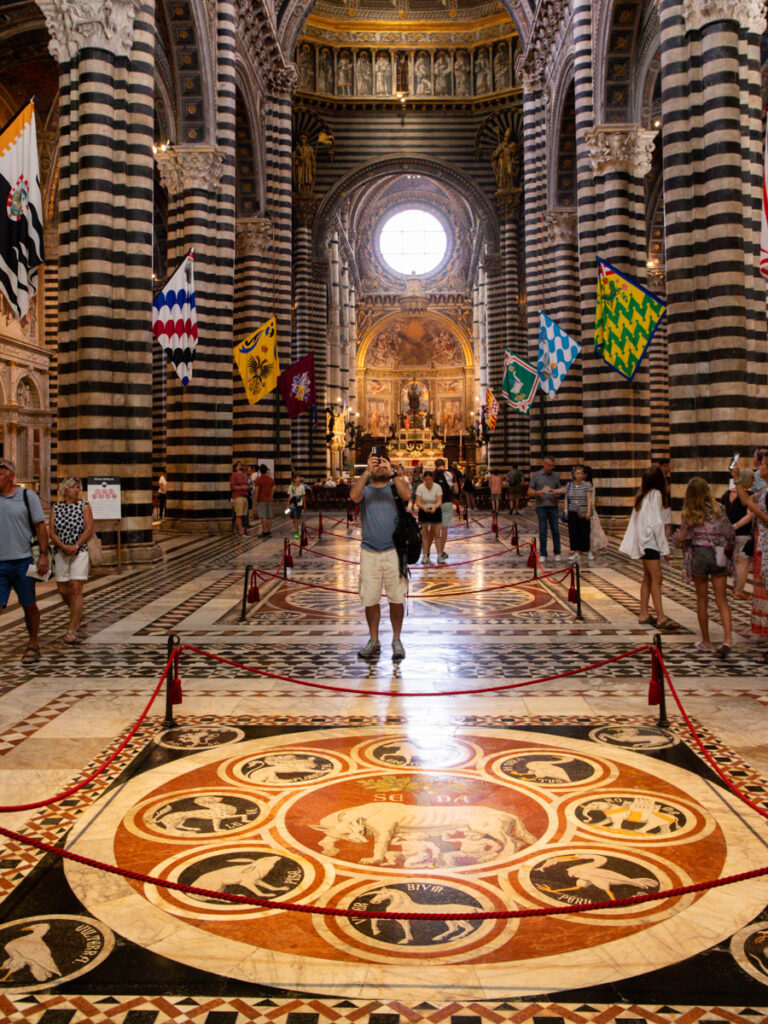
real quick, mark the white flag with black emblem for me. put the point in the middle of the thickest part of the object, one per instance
(21, 211)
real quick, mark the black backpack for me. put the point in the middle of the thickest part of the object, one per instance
(406, 536)
(447, 489)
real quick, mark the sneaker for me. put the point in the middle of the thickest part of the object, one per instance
(297, 535)
(442, 558)
(557, 559)
(590, 556)
(574, 556)
(426, 560)
(371, 650)
(398, 651)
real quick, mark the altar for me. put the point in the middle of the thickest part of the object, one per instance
(410, 443)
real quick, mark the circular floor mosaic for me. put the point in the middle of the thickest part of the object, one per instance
(420, 821)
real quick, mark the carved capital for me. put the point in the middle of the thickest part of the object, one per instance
(750, 14)
(620, 147)
(561, 226)
(283, 79)
(74, 25)
(253, 236)
(508, 202)
(183, 168)
(531, 75)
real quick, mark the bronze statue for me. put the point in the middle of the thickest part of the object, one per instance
(506, 160)
(304, 166)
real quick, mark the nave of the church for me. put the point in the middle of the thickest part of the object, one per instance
(429, 786)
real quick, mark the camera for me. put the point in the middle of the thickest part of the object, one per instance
(376, 451)
(734, 461)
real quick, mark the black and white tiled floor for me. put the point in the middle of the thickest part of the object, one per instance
(63, 717)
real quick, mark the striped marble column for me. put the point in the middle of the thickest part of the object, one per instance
(334, 324)
(534, 138)
(253, 425)
(514, 425)
(712, 133)
(51, 337)
(308, 443)
(496, 339)
(279, 187)
(658, 368)
(617, 422)
(106, 77)
(564, 415)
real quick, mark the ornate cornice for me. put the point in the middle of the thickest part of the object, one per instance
(549, 18)
(253, 236)
(187, 167)
(561, 225)
(283, 79)
(74, 25)
(623, 147)
(750, 14)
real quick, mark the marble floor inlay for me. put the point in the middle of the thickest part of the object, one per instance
(555, 795)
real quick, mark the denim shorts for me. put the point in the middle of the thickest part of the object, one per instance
(704, 563)
(13, 576)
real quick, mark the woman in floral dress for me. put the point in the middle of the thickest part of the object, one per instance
(757, 503)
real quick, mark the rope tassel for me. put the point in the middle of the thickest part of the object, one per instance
(572, 595)
(175, 685)
(494, 524)
(288, 557)
(532, 558)
(253, 590)
(320, 525)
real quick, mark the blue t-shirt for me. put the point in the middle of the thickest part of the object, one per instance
(378, 515)
(15, 529)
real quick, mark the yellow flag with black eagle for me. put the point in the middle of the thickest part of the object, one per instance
(256, 359)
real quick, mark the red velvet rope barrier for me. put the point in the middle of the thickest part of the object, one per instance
(387, 915)
(562, 573)
(466, 561)
(105, 764)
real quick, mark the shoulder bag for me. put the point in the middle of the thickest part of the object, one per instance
(406, 536)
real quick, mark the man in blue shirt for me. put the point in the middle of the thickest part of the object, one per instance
(379, 564)
(18, 520)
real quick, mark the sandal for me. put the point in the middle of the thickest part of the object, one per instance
(723, 651)
(669, 626)
(70, 637)
(649, 620)
(30, 655)
(701, 646)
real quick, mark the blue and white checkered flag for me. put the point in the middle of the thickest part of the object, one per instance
(557, 350)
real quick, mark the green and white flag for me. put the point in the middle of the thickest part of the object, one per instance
(520, 382)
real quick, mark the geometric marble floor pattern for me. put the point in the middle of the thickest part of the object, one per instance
(553, 796)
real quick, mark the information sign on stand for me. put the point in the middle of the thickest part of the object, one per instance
(105, 501)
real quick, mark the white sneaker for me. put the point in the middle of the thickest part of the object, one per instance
(442, 558)
(425, 560)
(557, 559)
(574, 556)
(590, 556)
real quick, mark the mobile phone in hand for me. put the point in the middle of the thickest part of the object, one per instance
(735, 461)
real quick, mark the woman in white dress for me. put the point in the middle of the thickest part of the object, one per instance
(646, 539)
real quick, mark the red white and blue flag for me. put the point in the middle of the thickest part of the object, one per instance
(174, 318)
(21, 211)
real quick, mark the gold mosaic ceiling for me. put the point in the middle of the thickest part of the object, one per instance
(383, 11)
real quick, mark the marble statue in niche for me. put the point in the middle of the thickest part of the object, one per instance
(363, 74)
(442, 71)
(506, 160)
(422, 75)
(461, 73)
(344, 74)
(482, 72)
(303, 166)
(501, 68)
(383, 75)
(306, 68)
(325, 71)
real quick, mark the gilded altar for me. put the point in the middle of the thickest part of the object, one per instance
(415, 378)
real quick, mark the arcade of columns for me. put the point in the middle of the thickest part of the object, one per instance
(713, 349)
